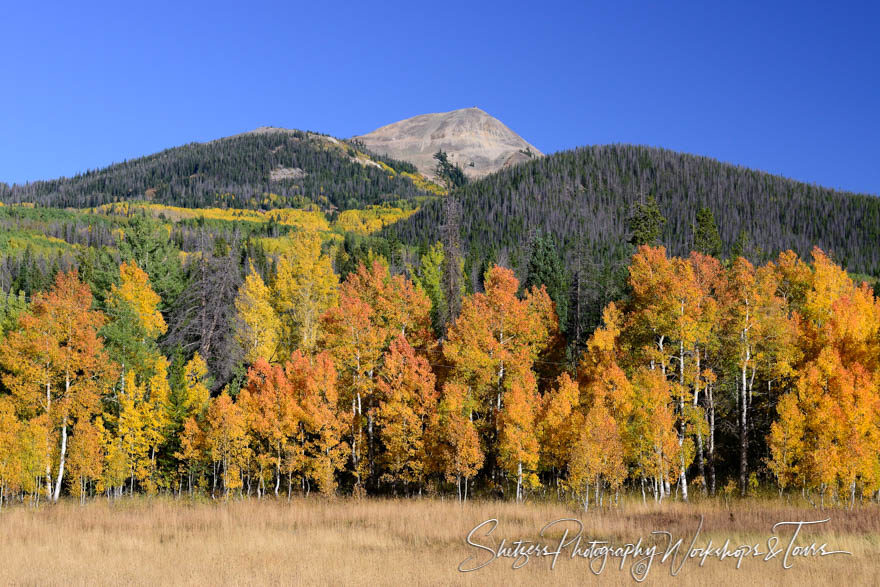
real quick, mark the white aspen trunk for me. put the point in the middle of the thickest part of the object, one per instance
(683, 476)
(743, 425)
(278, 473)
(48, 441)
(63, 452)
(519, 483)
(711, 399)
(60, 476)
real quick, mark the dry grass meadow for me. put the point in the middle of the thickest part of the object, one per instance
(413, 542)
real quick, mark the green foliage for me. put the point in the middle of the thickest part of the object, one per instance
(146, 242)
(743, 247)
(237, 172)
(11, 307)
(449, 174)
(546, 267)
(646, 223)
(429, 276)
(584, 198)
(706, 237)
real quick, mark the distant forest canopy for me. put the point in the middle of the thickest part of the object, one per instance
(271, 169)
(584, 197)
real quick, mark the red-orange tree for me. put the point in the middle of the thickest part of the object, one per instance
(56, 365)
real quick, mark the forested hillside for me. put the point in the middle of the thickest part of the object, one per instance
(584, 198)
(264, 169)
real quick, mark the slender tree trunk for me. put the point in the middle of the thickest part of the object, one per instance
(519, 475)
(711, 398)
(62, 456)
(743, 431)
(48, 442)
(701, 467)
(278, 473)
(682, 426)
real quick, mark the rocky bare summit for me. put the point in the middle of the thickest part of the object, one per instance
(478, 142)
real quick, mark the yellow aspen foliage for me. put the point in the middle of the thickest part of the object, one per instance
(304, 288)
(597, 457)
(193, 446)
(195, 378)
(143, 422)
(116, 469)
(34, 448)
(258, 328)
(652, 438)
(227, 441)
(86, 457)
(558, 422)
(135, 290)
(786, 441)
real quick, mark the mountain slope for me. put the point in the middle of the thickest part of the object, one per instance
(476, 141)
(297, 167)
(584, 197)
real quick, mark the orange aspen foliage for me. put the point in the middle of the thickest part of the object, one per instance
(454, 442)
(373, 309)
(269, 405)
(517, 442)
(497, 333)
(322, 425)
(407, 400)
(55, 365)
(10, 457)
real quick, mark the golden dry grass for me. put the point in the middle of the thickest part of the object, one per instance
(383, 542)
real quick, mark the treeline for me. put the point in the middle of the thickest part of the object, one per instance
(706, 376)
(236, 172)
(583, 198)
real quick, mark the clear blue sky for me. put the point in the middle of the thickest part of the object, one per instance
(790, 88)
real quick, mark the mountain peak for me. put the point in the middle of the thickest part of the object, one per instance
(478, 142)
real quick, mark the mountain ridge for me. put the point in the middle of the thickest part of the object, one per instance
(478, 142)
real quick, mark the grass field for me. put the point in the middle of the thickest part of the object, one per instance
(413, 542)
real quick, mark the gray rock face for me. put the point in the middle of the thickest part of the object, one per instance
(477, 142)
